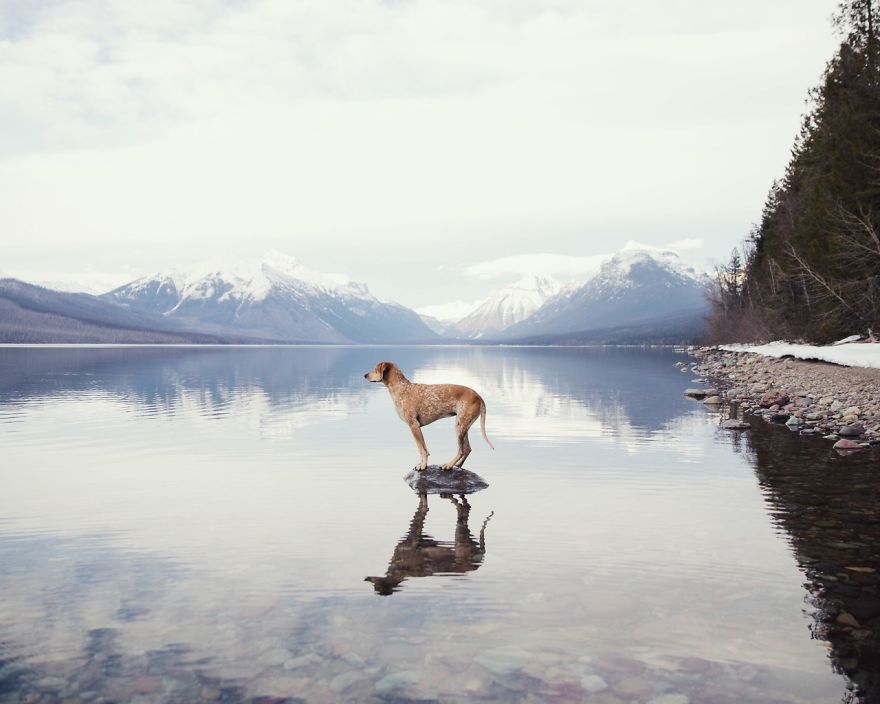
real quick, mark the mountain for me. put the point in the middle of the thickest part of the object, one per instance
(636, 286)
(33, 314)
(443, 317)
(276, 298)
(507, 306)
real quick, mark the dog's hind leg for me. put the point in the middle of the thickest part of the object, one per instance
(463, 423)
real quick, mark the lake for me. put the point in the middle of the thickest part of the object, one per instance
(183, 524)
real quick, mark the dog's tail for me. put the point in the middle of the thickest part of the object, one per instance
(483, 423)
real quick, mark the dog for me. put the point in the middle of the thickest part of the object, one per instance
(419, 555)
(419, 405)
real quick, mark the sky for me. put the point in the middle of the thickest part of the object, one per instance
(429, 149)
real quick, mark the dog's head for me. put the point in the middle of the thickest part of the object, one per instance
(379, 372)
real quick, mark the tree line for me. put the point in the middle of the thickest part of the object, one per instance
(810, 267)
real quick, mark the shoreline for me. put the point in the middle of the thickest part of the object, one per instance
(812, 398)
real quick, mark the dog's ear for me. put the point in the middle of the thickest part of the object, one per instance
(382, 369)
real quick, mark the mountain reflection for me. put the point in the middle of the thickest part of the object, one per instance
(552, 393)
(419, 555)
(830, 508)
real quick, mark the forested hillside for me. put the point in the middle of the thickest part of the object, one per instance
(811, 266)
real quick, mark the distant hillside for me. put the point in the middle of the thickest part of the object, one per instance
(32, 314)
(684, 327)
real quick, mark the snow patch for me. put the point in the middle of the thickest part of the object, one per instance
(850, 354)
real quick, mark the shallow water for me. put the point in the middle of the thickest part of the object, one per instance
(188, 524)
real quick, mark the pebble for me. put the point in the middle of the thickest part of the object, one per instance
(396, 680)
(593, 684)
(301, 661)
(503, 661)
(342, 682)
(670, 699)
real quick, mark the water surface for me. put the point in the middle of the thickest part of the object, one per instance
(198, 524)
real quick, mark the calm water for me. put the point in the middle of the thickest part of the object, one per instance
(181, 524)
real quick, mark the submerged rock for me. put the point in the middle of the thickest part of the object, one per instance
(735, 424)
(847, 445)
(699, 393)
(435, 480)
(713, 401)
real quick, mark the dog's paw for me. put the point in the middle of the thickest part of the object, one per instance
(421, 466)
(448, 465)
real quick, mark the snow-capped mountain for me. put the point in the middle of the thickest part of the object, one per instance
(508, 306)
(275, 298)
(441, 318)
(638, 284)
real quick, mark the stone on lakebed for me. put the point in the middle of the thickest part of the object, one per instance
(700, 393)
(847, 445)
(435, 480)
(735, 424)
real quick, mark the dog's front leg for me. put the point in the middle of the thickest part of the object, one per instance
(420, 443)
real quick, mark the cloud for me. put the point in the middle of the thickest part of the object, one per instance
(562, 266)
(314, 126)
(558, 265)
(690, 243)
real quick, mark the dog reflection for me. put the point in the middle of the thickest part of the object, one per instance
(419, 555)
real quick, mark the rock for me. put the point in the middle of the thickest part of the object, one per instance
(593, 684)
(396, 680)
(836, 406)
(735, 424)
(845, 619)
(695, 393)
(847, 445)
(342, 682)
(670, 699)
(712, 401)
(503, 661)
(780, 417)
(435, 480)
(51, 683)
(146, 684)
(302, 661)
(853, 430)
(794, 422)
(815, 416)
(773, 397)
(632, 688)
(852, 411)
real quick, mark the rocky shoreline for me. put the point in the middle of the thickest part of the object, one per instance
(812, 398)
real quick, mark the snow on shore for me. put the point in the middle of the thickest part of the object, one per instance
(848, 355)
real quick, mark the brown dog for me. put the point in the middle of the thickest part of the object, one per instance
(421, 404)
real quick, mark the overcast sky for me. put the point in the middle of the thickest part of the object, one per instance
(407, 144)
